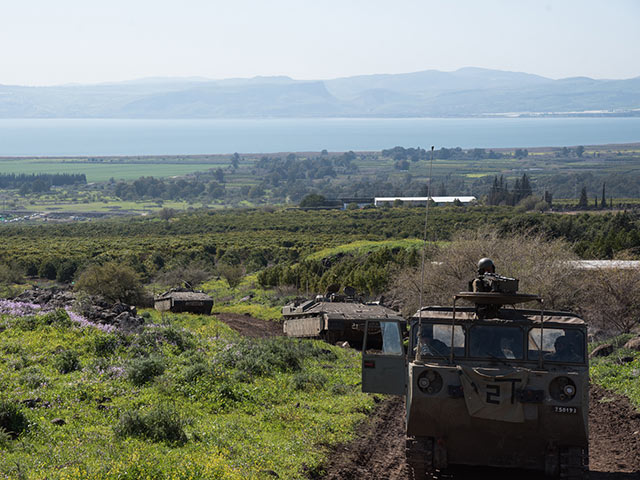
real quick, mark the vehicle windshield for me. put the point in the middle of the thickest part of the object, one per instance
(558, 345)
(436, 340)
(489, 341)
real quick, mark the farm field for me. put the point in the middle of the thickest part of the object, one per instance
(181, 182)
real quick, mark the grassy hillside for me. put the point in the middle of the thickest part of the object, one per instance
(184, 398)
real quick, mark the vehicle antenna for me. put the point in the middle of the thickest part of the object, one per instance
(424, 251)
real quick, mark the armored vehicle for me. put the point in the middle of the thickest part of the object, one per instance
(184, 300)
(488, 384)
(334, 317)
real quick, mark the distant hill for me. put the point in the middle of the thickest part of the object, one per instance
(431, 93)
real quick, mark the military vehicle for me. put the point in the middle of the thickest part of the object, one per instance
(488, 384)
(335, 317)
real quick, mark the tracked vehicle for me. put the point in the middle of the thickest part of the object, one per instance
(488, 384)
(336, 317)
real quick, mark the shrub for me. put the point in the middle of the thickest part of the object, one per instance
(308, 381)
(105, 345)
(196, 371)
(115, 282)
(67, 361)
(66, 271)
(161, 424)
(58, 317)
(180, 338)
(47, 270)
(32, 377)
(10, 274)
(257, 357)
(233, 274)
(12, 420)
(143, 370)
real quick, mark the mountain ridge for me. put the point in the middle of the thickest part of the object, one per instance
(469, 91)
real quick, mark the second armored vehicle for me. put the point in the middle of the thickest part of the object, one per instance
(335, 317)
(489, 384)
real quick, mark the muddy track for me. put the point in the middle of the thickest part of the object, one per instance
(378, 451)
(250, 326)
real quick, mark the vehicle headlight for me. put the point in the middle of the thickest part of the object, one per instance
(562, 389)
(430, 382)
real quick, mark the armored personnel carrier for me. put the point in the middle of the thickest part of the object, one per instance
(488, 384)
(335, 317)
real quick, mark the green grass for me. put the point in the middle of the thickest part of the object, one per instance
(239, 420)
(364, 246)
(103, 171)
(613, 374)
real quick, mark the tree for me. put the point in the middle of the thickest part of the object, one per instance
(579, 151)
(313, 200)
(583, 202)
(603, 202)
(166, 213)
(113, 281)
(233, 274)
(235, 160)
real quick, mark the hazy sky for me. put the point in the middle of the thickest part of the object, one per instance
(45, 42)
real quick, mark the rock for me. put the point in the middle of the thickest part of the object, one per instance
(270, 473)
(602, 351)
(633, 344)
(118, 308)
(32, 402)
(58, 421)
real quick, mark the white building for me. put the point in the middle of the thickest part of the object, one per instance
(422, 200)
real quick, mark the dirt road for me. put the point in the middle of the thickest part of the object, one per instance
(250, 326)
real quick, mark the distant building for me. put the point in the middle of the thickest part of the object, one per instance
(605, 264)
(184, 300)
(360, 201)
(378, 201)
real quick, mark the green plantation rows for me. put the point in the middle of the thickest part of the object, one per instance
(282, 238)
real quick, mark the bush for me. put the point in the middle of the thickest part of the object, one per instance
(143, 370)
(67, 361)
(10, 274)
(115, 282)
(12, 420)
(308, 381)
(161, 424)
(48, 270)
(33, 377)
(258, 357)
(105, 345)
(233, 274)
(58, 318)
(66, 271)
(196, 371)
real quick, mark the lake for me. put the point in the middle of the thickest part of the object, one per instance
(81, 137)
